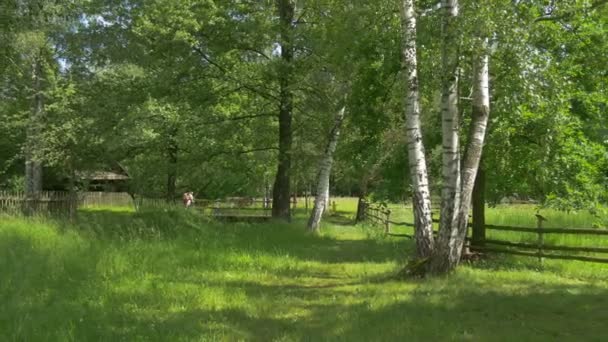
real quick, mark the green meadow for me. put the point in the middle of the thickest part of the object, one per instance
(174, 275)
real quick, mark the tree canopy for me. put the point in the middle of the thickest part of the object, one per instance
(192, 95)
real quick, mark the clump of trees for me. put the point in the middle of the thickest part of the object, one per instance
(248, 98)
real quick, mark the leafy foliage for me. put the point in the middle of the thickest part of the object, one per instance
(189, 90)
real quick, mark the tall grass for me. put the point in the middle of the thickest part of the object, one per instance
(173, 275)
(524, 216)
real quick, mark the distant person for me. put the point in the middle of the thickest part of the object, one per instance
(191, 198)
(188, 199)
(185, 199)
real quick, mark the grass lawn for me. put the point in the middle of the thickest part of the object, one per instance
(523, 215)
(175, 276)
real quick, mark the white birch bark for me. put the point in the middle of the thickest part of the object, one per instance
(423, 225)
(324, 172)
(450, 192)
(477, 132)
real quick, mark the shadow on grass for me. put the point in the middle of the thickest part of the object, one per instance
(340, 219)
(42, 283)
(292, 313)
(59, 293)
(468, 315)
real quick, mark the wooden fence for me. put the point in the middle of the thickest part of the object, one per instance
(380, 216)
(239, 208)
(105, 199)
(235, 208)
(56, 203)
(227, 207)
(64, 203)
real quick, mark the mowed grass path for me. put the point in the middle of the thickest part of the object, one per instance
(174, 276)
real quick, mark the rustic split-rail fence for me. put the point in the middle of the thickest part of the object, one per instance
(380, 216)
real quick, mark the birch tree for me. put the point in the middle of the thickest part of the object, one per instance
(423, 224)
(480, 113)
(450, 192)
(456, 192)
(322, 198)
(449, 251)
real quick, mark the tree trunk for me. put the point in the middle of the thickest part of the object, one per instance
(326, 195)
(281, 191)
(450, 192)
(479, 216)
(295, 194)
(423, 224)
(448, 255)
(322, 198)
(477, 133)
(33, 166)
(172, 153)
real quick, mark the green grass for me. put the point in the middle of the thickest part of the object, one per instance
(524, 216)
(172, 275)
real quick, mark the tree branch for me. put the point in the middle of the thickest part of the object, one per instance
(256, 51)
(208, 59)
(237, 118)
(551, 17)
(259, 149)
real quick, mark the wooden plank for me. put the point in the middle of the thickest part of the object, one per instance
(547, 247)
(543, 255)
(401, 235)
(242, 218)
(407, 224)
(376, 217)
(381, 210)
(581, 231)
(244, 208)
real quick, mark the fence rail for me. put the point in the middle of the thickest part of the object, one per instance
(59, 203)
(380, 216)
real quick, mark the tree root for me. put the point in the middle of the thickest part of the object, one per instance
(470, 257)
(418, 268)
(415, 269)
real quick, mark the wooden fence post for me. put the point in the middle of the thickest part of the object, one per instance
(360, 215)
(387, 223)
(363, 210)
(539, 226)
(216, 208)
